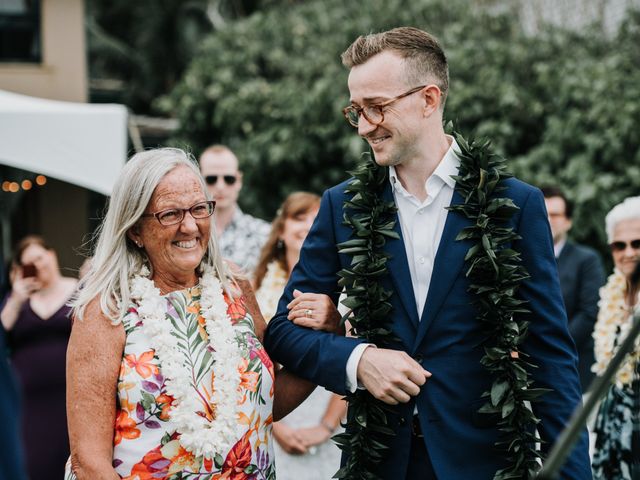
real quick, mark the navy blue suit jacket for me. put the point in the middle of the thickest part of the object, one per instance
(581, 276)
(445, 338)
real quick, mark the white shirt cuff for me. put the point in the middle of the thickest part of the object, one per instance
(352, 366)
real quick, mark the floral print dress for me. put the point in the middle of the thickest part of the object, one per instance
(146, 445)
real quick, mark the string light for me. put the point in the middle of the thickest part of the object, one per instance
(13, 187)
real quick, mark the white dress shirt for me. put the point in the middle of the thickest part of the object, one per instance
(422, 224)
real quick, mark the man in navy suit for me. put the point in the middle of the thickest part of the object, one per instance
(581, 276)
(432, 376)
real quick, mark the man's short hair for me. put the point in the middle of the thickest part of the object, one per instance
(217, 149)
(553, 191)
(424, 58)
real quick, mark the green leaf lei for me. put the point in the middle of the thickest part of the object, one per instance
(372, 221)
(495, 274)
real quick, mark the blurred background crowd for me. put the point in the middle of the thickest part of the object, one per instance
(254, 89)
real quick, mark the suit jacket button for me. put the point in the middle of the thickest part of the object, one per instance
(418, 358)
(402, 421)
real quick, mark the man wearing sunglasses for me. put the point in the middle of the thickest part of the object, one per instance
(432, 378)
(581, 276)
(240, 236)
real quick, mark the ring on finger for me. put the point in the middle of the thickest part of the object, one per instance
(308, 312)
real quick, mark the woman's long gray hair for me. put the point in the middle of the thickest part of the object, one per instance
(116, 258)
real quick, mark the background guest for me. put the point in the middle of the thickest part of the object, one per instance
(36, 316)
(240, 236)
(581, 276)
(617, 452)
(303, 447)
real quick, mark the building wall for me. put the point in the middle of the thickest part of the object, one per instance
(62, 75)
(58, 211)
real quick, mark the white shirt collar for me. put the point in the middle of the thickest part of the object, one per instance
(557, 247)
(447, 167)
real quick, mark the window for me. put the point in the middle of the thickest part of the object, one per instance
(20, 31)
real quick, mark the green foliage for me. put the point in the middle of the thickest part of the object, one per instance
(562, 107)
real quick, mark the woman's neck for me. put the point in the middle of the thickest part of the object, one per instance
(170, 283)
(292, 258)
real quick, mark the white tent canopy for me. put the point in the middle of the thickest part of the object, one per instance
(82, 144)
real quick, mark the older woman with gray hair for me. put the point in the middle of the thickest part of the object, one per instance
(617, 453)
(167, 376)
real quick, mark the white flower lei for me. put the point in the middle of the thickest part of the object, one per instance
(198, 435)
(271, 288)
(612, 327)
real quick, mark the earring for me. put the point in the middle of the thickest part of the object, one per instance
(139, 244)
(280, 244)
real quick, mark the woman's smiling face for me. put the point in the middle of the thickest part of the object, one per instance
(175, 251)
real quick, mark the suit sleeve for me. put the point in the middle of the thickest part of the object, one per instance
(320, 357)
(591, 277)
(549, 344)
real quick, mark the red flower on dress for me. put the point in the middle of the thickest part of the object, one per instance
(125, 427)
(142, 364)
(238, 459)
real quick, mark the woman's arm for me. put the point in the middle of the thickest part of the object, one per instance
(21, 290)
(289, 390)
(93, 364)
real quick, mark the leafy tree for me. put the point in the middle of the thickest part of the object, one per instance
(561, 106)
(143, 47)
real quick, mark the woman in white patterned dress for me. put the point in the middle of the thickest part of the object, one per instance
(167, 376)
(303, 446)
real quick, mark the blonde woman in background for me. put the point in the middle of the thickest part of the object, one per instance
(303, 448)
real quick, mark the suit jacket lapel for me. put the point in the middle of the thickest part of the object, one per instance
(399, 267)
(448, 262)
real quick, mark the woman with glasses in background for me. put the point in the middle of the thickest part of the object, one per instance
(617, 452)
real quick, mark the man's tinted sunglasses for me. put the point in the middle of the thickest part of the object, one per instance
(213, 179)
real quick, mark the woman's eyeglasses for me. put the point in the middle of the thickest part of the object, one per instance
(174, 216)
(620, 246)
(213, 179)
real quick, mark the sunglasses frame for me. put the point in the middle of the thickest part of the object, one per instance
(621, 246)
(213, 179)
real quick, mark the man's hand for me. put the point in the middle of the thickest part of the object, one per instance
(391, 376)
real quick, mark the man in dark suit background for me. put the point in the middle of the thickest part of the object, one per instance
(581, 276)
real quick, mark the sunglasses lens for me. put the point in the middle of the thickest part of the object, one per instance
(620, 246)
(229, 179)
(617, 246)
(211, 179)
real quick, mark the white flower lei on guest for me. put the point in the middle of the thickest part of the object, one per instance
(612, 327)
(271, 288)
(198, 435)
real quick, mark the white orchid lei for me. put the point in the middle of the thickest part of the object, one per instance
(612, 327)
(198, 435)
(271, 288)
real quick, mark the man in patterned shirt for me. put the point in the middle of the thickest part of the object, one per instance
(240, 236)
